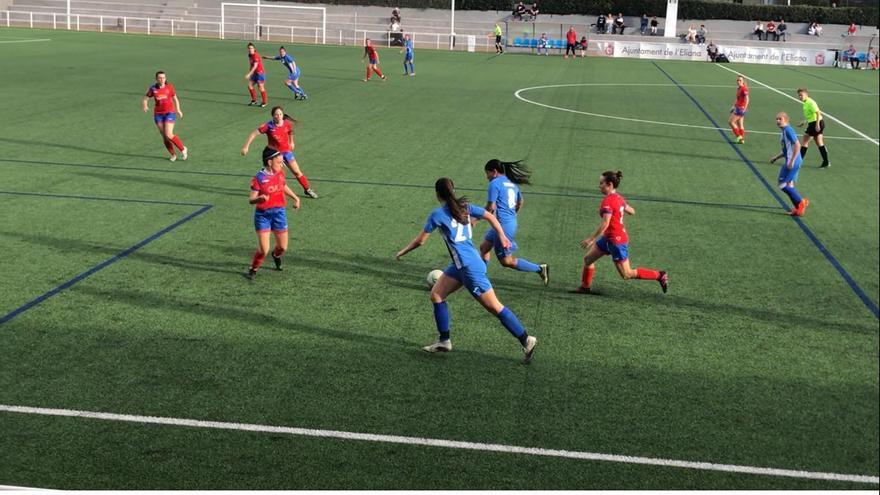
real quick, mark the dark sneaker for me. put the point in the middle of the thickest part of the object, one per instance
(544, 274)
(312, 194)
(278, 263)
(664, 281)
(825, 165)
(583, 290)
(252, 103)
(251, 274)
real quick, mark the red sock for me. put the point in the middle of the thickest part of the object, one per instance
(263, 96)
(379, 72)
(648, 274)
(177, 142)
(368, 73)
(303, 181)
(277, 252)
(253, 94)
(169, 146)
(587, 276)
(258, 259)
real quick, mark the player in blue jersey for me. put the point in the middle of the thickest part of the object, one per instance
(467, 267)
(504, 200)
(408, 68)
(293, 73)
(788, 173)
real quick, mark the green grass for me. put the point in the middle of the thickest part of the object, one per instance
(760, 355)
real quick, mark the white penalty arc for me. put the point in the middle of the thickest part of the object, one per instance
(24, 41)
(449, 444)
(519, 95)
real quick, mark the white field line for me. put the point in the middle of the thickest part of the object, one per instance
(23, 488)
(727, 86)
(824, 114)
(451, 444)
(24, 41)
(518, 95)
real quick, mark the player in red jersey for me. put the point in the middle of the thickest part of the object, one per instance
(268, 189)
(611, 238)
(370, 52)
(738, 112)
(165, 111)
(279, 132)
(256, 75)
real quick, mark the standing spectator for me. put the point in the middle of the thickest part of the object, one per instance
(519, 11)
(873, 63)
(759, 29)
(852, 56)
(619, 24)
(643, 26)
(600, 24)
(582, 46)
(609, 23)
(781, 28)
(534, 11)
(851, 31)
(771, 31)
(654, 24)
(691, 36)
(701, 34)
(542, 45)
(571, 38)
(712, 51)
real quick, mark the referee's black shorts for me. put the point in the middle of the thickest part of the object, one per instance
(497, 39)
(815, 128)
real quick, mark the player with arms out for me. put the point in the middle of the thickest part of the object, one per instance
(738, 112)
(166, 108)
(815, 127)
(256, 75)
(268, 191)
(408, 68)
(279, 132)
(467, 269)
(504, 200)
(611, 238)
(373, 58)
(788, 173)
(293, 73)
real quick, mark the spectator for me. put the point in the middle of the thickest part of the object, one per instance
(759, 29)
(873, 63)
(582, 46)
(701, 34)
(815, 29)
(643, 25)
(654, 24)
(571, 38)
(771, 31)
(519, 11)
(712, 51)
(691, 36)
(619, 24)
(781, 28)
(396, 33)
(533, 12)
(852, 56)
(395, 15)
(542, 45)
(600, 24)
(609, 23)
(851, 30)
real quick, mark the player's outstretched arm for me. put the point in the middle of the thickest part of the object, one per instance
(250, 139)
(413, 244)
(629, 210)
(256, 197)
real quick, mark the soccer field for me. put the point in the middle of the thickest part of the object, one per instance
(123, 288)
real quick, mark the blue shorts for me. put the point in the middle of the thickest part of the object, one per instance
(293, 76)
(374, 61)
(492, 236)
(408, 57)
(472, 277)
(165, 117)
(618, 252)
(289, 157)
(274, 219)
(786, 175)
(739, 111)
(258, 78)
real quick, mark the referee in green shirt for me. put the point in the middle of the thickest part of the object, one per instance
(499, 47)
(815, 126)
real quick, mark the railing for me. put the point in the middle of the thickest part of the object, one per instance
(110, 23)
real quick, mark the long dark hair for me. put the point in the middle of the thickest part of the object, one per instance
(516, 171)
(612, 178)
(287, 117)
(457, 206)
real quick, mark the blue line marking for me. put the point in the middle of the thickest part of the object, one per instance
(871, 305)
(102, 265)
(99, 198)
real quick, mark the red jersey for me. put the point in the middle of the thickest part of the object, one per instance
(614, 205)
(571, 37)
(164, 97)
(278, 135)
(371, 52)
(273, 185)
(741, 94)
(255, 59)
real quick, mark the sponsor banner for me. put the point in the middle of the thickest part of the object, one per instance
(778, 55)
(663, 51)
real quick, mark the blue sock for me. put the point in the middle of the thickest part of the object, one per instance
(301, 92)
(526, 266)
(292, 88)
(793, 194)
(512, 324)
(441, 316)
(405, 68)
(412, 67)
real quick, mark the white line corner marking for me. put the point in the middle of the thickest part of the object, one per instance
(452, 444)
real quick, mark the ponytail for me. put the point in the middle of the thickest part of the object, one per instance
(516, 171)
(292, 120)
(457, 206)
(612, 178)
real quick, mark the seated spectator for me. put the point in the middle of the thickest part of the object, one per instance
(519, 11)
(533, 12)
(873, 62)
(759, 29)
(542, 45)
(609, 23)
(851, 30)
(643, 26)
(619, 24)
(654, 24)
(395, 15)
(781, 28)
(701, 34)
(815, 29)
(582, 47)
(853, 57)
(600, 24)
(691, 36)
(771, 31)
(712, 51)
(396, 34)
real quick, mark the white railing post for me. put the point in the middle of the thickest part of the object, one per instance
(316, 36)
(340, 36)
(291, 34)
(197, 29)
(438, 41)
(148, 26)
(323, 28)
(172, 27)
(32, 20)
(222, 19)
(101, 23)
(54, 21)
(125, 25)
(77, 22)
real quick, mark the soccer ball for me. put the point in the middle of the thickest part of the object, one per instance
(433, 276)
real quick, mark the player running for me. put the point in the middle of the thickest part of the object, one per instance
(788, 173)
(256, 75)
(504, 201)
(467, 268)
(293, 73)
(370, 52)
(815, 127)
(166, 108)
(279, 132)
(268, 190)
(738, 112)
(408, 68)
(611, 238)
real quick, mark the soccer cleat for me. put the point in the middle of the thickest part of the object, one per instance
(383, 77)
(802, 207)
(740, 140)
(825, 165)
(304, 97)
(251, 274)
(412, 73)
(278, 262)
(583, 290)
(172, 158)
(529, 349)
(439, 346)
(310, 193)
(664, 281)
(252, 103)
(184, 153)
(544, 274)
(262, 105)
(295, 96)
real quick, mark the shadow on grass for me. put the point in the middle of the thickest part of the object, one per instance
(188, 186)
(43, 144)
